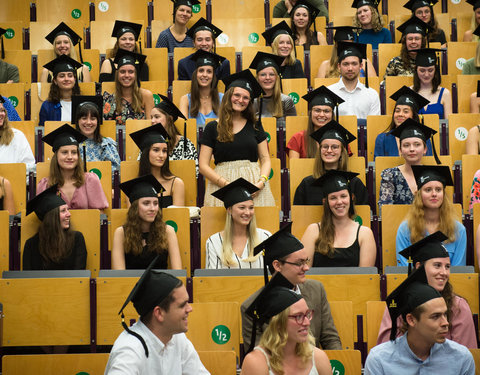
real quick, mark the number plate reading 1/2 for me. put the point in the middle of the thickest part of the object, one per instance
(220, 335)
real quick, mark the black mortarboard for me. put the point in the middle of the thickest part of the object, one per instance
(413, 5)
(235, 192)
(2, 100)
(477, 31)
(426, 173)
(264, 60)
(62, 63)
(277, 246)
(44, 202)
(124, 57)
(122, 27)
(276, 296)
(343, 33)
(80, 100)
(333, 130)
(425, 249)
(478, 88)
(2, 32)
(203, 58)
(245, 80)
(188, 3)
(474, 3)
(406, 96)
(413, 25)
(149, 291)
(426, 56)
(411, 293)
(63, 29)
(334, 180)
(411, 128)
(322, 96)
(346, 49)
(145, 138)
(279, 29)
(360, 3)
(170, 108)
(65, 135)
(142, 187)
(201, 25)
(312, 9)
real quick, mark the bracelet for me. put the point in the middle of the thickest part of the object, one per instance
(264, 177)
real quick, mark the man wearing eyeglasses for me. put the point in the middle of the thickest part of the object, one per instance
(285, 254)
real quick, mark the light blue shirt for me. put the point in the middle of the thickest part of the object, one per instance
(457, 249)
(396, 357)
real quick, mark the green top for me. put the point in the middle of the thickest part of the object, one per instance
(469, 67)
(8, 72)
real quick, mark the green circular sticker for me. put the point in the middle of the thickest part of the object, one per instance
(358, 219)
(97, 172)
(270, 176)
(337, 367)
(76, 13)
(172, 224)
(156, 99)
(196, 8)
(82, 373)
(253, 38)
(89, 65)
(10, 33)
(295, 97)
(13, 100)
(220, 334)
(269, 137)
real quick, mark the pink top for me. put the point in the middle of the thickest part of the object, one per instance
(297, 143)
(462, 331)
(89, 195)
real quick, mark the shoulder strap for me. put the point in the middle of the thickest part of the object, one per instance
(264, 353)
(440, 95)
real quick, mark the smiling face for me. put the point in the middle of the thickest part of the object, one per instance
(158, 154)
(424, 13)
(176, 318)
(284, 45)
(65, 80)
(3, 115)
(330, 152)
(364, 15)
(158, 117)
(127, 41)
(126, 75)
(426, 74)
(413, 41)
(183, 14)
(298, 333)
(438, 272)
(67, 157)
(62, 45)
(432, 194)
(267, 78)
(88, 124)
(321, 115)
(301, 18)
(203, 40)
(295, 273)
(401, 113)
(148, 209)
(205, 76)
(339, 203)
(64, 217)
(240, 99)
(242, 213)
(412, 150)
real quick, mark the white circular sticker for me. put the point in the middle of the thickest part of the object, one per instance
(461, 133)
(103, 6)
(460, 62)
(222, 38)
(455, 1)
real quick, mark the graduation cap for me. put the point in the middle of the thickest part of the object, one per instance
(124, 57)
(65, 135)
(333, 130)
(347, 49)
(170, 108)
(64, 29)
(122, 27)
(203, 58)
(343, 33)
(334, 180)
(276, 296)
(188, 3)
(478, 88)
(245, 80)
(62, 63)
(142, 187)
(150, 135)
(426, 173)
(2, 32)
(264, 60)
(149, 291)
(2, 100)
(44, 202)
(277, 246)
(79, 100)
(411, 293)
(425, 249)
(235, 192)
(474, 3)
(323, 96)
(312, 10)
(281, 28)
(203, 25)
(413, 5)
(427, 57)
(413, 25)
(360, 3)
(406, 96)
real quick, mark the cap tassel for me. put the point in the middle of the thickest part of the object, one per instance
(80, 50)
(393, 331)
(336, 113)
(409, 265)
(84, 156)
(260, 111)
(185, 139)
(125, 327)
(366, 73)
(435, 155)
(3, 50)
(265, 272)
(253, 338)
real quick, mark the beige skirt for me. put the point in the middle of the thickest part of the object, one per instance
(231, 170)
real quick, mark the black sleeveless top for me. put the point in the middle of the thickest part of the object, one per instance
(142, 261)
(343, 256)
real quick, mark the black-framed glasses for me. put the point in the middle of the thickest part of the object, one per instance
(300, 318)
(300, 263)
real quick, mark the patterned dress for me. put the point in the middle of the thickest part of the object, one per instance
(396, 67)
(394, 188)
(109, 108)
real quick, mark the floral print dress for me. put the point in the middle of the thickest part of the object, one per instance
(394, 188)
(109, 110)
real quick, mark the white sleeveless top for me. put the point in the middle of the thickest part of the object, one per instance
(313, 370)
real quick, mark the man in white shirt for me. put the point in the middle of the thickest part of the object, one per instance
(360, 100)
(156, 343)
